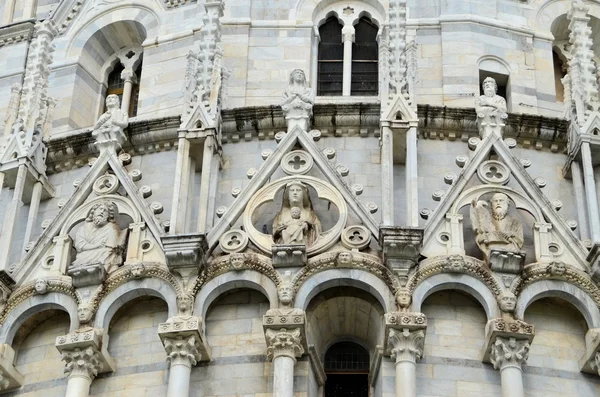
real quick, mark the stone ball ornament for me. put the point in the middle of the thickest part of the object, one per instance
(324, 239)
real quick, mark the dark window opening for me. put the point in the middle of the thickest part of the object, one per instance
(331, 58)
(116, 84)
(347, 369)
(365, 55)
(559, 74)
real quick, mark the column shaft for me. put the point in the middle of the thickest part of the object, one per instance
(205, 184)
(590, 192)
(387, 176)
(179, 378)
(10, 218)
(584, 232)
(406, 379)
(180, 187)
(412, 182)
(511, 379)
(127, 88)
(347, 76)
(34, 207)
(283, 376)
(78, 386)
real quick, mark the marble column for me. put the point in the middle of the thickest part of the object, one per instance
(85, 355)
(387, 176)
(406, 348)
(348, 39)
(412, 181)
(34, 207)
(590, 192)
(508, 355)
(11, 216)
(185, 345)
(128, 77)
(283, 346)
(580, 200)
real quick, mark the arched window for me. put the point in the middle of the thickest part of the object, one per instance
(116, 86)
(365, 55)
(347, 369)
(331, 58)
(559, 74)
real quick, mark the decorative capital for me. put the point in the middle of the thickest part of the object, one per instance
(401, 247)
(509, 352)
(183, 250)
(405, 344)
(184, 340)
(590, 362)
(595, 363)
(84, 353)
(284, 342)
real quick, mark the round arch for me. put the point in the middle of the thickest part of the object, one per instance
(562, 290)
(549, 11)
(345, 277)
(36, 304)
(234, 280)
(457, 281)
(130, 291)
(143, 15)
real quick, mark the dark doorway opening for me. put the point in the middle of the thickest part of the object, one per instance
(347, 369)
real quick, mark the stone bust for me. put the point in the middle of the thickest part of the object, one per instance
(111, 124)
(296, 222)
(496, 228)
(298, 101)
(507, 301)
(99, 241)
(490, 107)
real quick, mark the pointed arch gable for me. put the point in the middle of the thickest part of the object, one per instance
(456, 281)
(36, 304)
(562, 290)
(234, 280)
(357, 278)
(130, 291)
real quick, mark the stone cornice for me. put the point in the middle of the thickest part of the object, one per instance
(16, 32)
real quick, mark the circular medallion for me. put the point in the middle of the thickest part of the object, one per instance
(233, 241)
(356, 237)
(493, 172)
(106, 184)
(297, 162)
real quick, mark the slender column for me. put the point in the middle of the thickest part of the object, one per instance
(29, 9)
(314, 67)
(508, 355)
(348, 38)
(412, 183)
(127, 75)
(34, 207)
(9, 10)
(10, 217)
(1, 180)
(590, 192)
(406, 347)
(205, 183)
(180, 187)
(580, 200)
(387, 176)
(283, 347)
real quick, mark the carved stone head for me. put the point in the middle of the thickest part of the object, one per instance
(489, 86)
(41, 286)
(344, 258)
(237, 261)
(508, 301)
(500, 203)
(112, 102)
(185, 305)
(102, 213)
(84, 313)
(557, 268)
(297, 77)
(285, 293)
(403, 299)
(138, 270)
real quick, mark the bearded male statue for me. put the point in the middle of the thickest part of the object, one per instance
(496, 229)
(490, 107)
(99, 241)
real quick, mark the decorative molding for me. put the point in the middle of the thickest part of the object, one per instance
(84, 353)
(16, 32)
(401, 248)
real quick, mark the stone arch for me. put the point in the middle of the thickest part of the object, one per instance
(456, 281)
(495, 64)
(36, 304)
(357, 278)
(131, 290)
(234, 280)
(562, 290)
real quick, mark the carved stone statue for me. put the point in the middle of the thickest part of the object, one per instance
(298, 101)
(84, 313)
(296, 222)
(110, 126)
(41, 286)
(490, 107)
(508, 301)
(496, 229)
(99, 241)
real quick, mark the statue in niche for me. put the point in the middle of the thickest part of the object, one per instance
(298, 101)
(490, 107)
(496, 229)
(111, 124)
(296, 222)
(99, 241)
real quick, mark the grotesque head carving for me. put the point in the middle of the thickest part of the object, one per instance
(237, 261)
(41, 286)
(138, 270)
(344, 258)
(557, 268)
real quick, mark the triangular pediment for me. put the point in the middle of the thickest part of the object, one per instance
(592, 124)
(399, 109)
(527, 195)
(108, 163)
(291, 141)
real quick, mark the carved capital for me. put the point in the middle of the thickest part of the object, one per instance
(84, 353)
(284, 342)
(10, 378)
(184, 340)
(405, 344)
(590, 362)
(184, 250)
(509, 352)
(595, 363)
(401, 247)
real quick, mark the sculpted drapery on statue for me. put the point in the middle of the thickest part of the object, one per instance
(298, 101)
(496, 229)
(296, 222)
(111, 124)
(490, 107)
(99, 241)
